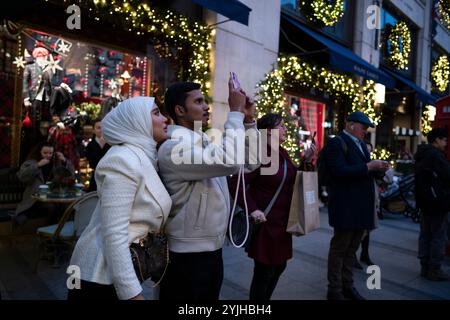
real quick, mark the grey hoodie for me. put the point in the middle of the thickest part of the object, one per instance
(200, 198)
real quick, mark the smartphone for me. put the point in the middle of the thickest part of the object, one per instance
(313, 141)
(235, 81)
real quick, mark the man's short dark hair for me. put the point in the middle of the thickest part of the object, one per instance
(436, 133)
(176, 94)
(269, 121)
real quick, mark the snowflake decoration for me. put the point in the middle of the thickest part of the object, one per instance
(19, 62)
(112, 84)
(63, 46)
(53, 65)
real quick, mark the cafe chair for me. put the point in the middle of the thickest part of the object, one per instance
(55, 238)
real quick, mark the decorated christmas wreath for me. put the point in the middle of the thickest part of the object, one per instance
(324, 12)
(399, 45)
(444, 10)
(440, 73)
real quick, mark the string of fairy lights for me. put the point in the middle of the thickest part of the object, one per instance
(323, 12)
(184, 42)
(440, 73)
(399, 42)
(294, 72)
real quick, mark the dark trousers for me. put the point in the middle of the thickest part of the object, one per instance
(365, 246)
(194, 276)
(265, 279)
(432, 240)
(93, 291)
(341, 258)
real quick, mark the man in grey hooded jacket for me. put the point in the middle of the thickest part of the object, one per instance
(198, 221)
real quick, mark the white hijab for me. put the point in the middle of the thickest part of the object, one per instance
(131, 123)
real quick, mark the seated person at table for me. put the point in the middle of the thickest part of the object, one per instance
(95, 150)
(37, 170)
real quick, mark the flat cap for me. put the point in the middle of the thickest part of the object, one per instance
(360, 117)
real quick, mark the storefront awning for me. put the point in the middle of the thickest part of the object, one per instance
(423, 96)
(406, 132)
(232, 9)
(342, 58)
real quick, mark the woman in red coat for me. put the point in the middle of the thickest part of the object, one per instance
(271, 245)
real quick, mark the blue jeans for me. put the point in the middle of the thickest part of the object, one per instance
(432, 240)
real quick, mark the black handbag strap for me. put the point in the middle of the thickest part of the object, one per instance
(272, 202)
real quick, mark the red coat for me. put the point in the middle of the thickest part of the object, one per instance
(272, 245)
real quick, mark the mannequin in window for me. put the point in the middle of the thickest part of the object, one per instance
(36, 94)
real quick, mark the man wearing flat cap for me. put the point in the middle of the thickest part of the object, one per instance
(351, 205)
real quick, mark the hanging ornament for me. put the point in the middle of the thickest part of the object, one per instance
(27, 121)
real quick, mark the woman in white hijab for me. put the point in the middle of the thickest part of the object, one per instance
(132, 202)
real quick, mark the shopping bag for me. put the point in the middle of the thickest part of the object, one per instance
(304, 214)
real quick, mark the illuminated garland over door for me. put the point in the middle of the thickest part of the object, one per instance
(294, 73)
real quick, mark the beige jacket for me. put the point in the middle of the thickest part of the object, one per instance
(133, 201)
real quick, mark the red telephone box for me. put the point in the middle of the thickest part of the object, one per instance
(442, 119)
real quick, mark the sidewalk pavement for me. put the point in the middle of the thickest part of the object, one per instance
(393, 246)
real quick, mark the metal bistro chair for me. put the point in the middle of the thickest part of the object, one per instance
(54, 238)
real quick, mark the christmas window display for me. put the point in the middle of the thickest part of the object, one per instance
(90, 71)
(65, 84)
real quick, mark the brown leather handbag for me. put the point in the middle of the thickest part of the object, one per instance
(150, 257)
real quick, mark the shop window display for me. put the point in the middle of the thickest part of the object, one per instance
(65, 82)
(309, 117)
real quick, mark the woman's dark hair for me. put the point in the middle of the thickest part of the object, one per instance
(436, 133)
(96, 120)
(269, 121)
(35, 153)
(176, 95)
(107, 105)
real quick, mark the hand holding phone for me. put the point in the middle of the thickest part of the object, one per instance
(236, 98)
(235, 81)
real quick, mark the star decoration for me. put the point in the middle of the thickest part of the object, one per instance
(63, 47)
(112, 84)
(53, 65)
(19, 62)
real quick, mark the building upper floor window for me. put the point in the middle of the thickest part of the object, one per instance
(398, 43)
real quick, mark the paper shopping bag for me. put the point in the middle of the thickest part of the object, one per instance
(304, 212)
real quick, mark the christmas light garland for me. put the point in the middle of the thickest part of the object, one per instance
(399, 41)
(444, 10)
(323, 12)
(440, 73)
(184, 42)
(292, 72)
(425, 122)
(380, 154)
